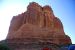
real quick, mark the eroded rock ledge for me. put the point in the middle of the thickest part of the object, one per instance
(38, 23)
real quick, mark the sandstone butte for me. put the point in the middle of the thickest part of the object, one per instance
(37, 24)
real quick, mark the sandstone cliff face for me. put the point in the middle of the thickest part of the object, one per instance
(37, 22)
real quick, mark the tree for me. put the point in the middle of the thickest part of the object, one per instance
(3, 46)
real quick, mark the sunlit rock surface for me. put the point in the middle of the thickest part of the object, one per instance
(37, 24)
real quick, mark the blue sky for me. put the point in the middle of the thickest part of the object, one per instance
(63, 9)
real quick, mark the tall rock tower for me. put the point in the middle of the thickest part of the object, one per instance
(35, 29)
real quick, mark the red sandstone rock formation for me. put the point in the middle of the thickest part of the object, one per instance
(38, 22)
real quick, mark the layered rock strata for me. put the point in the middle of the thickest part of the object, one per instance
(37, 24)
